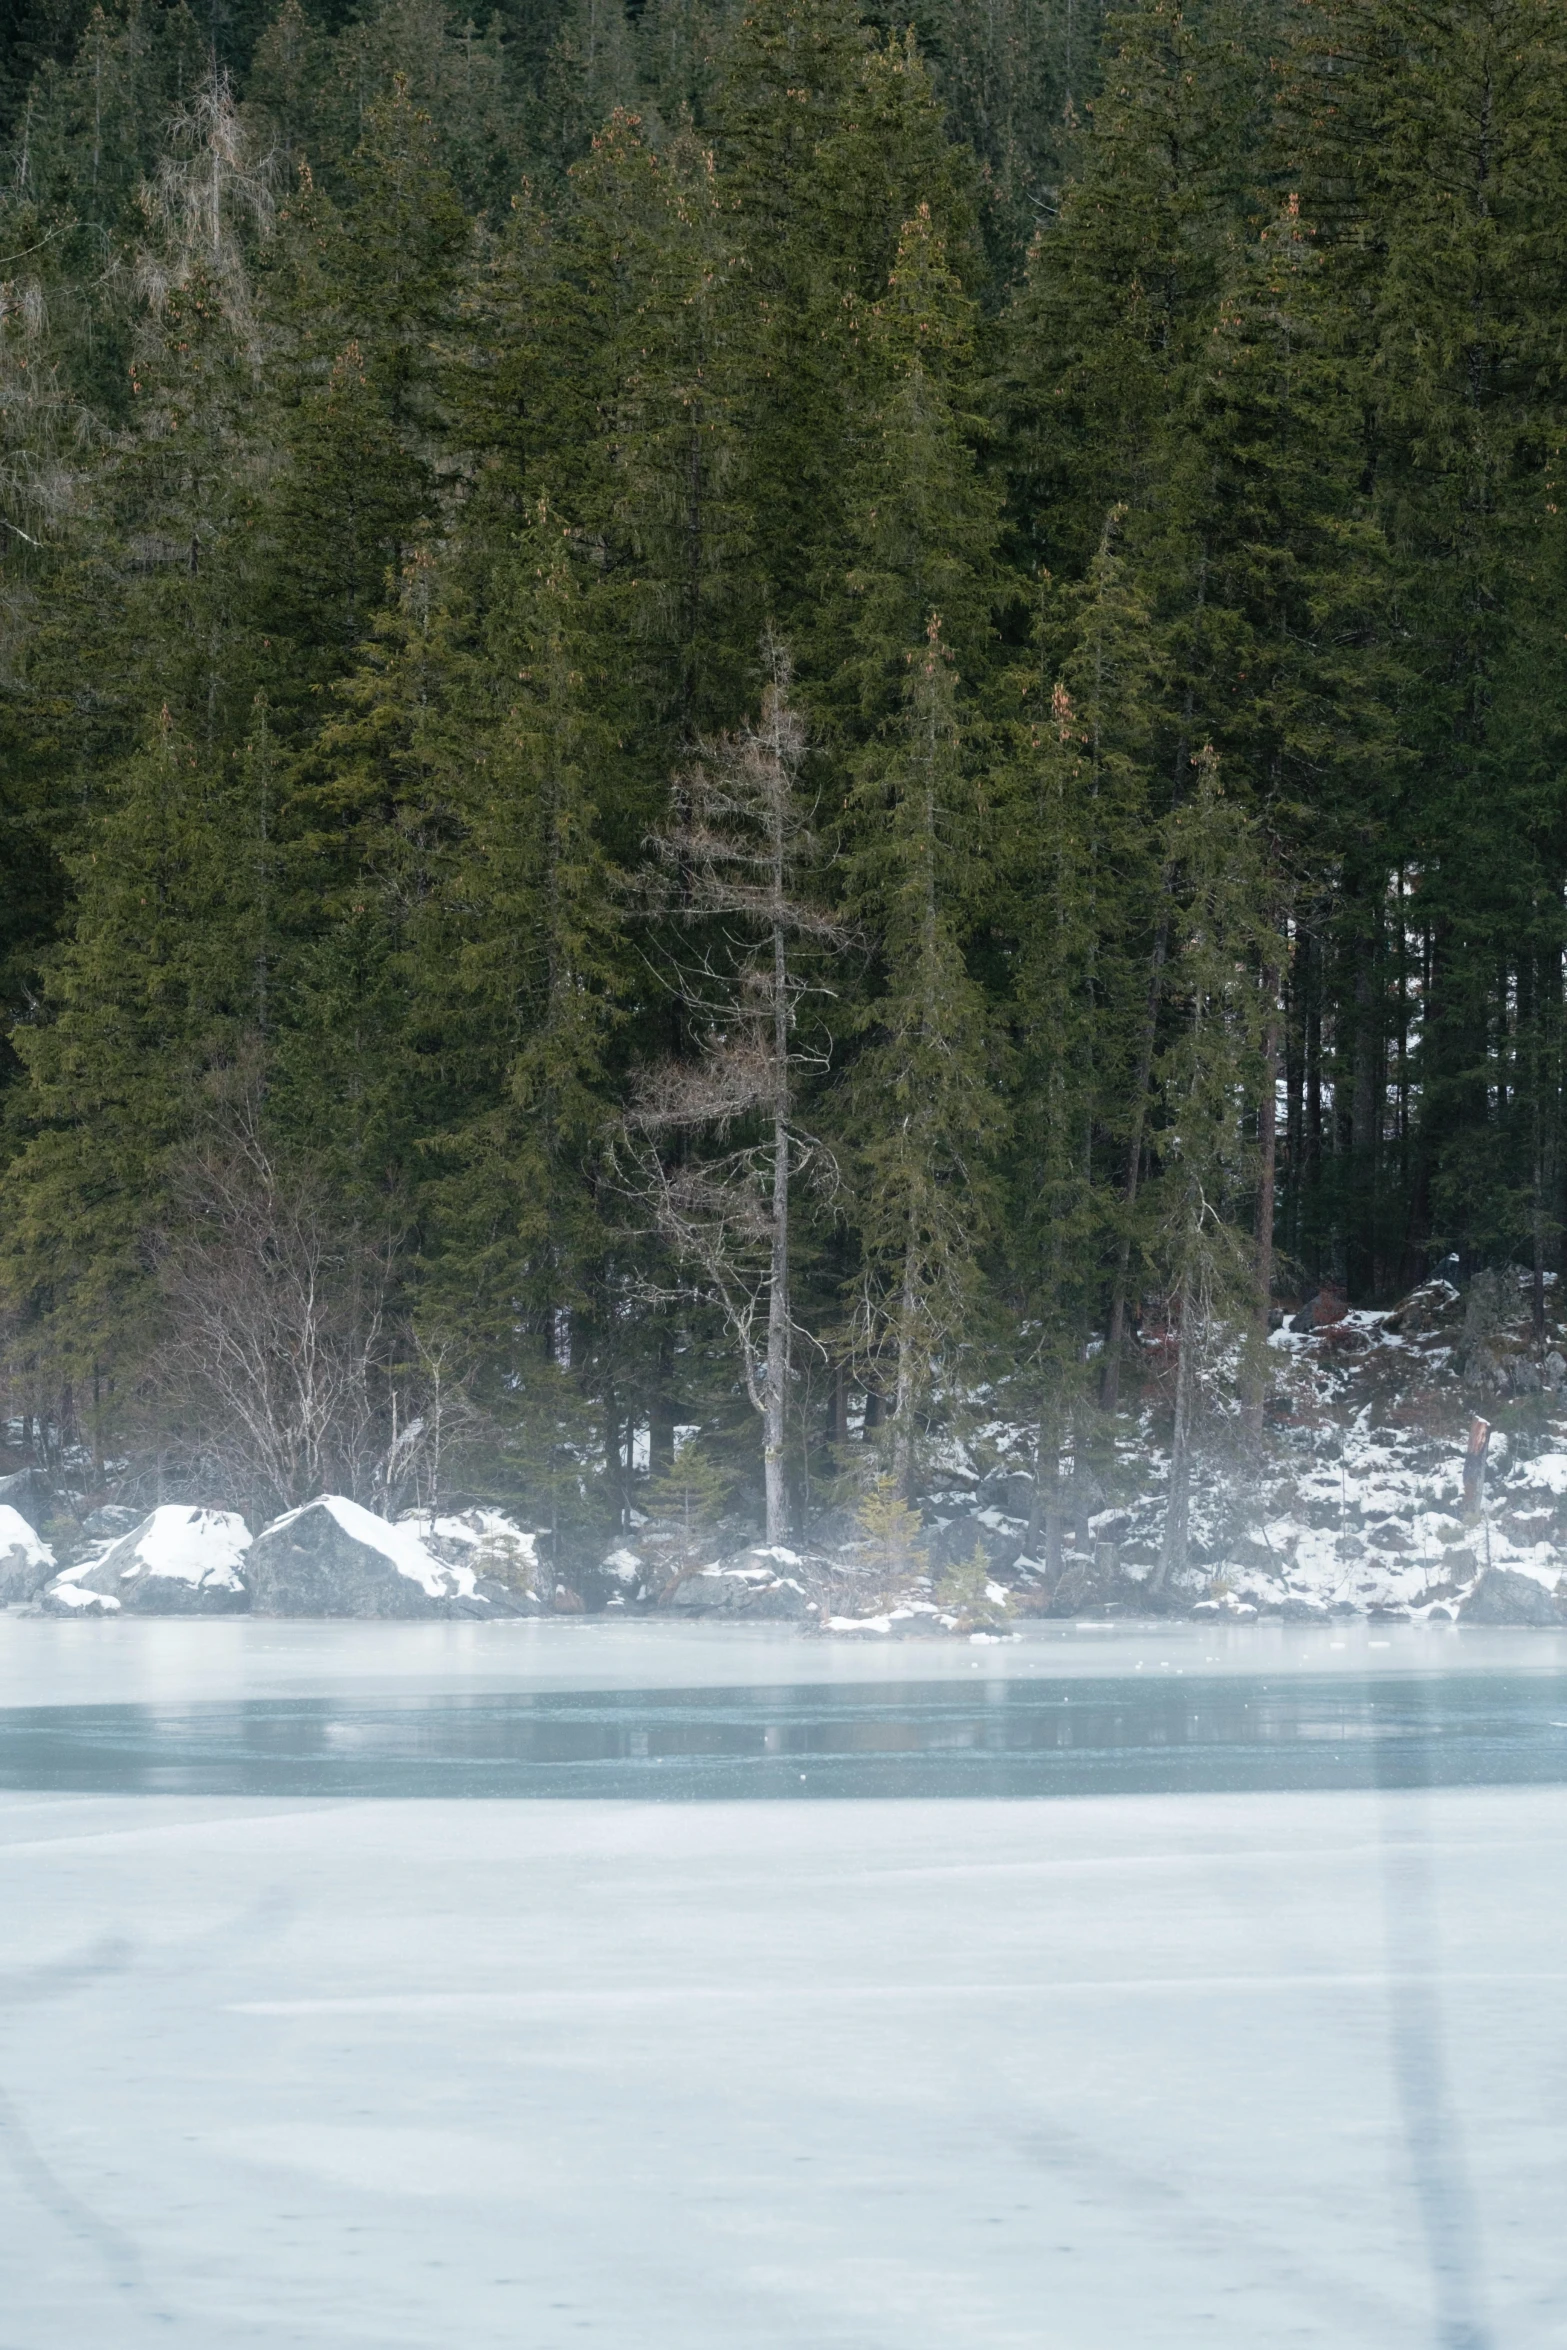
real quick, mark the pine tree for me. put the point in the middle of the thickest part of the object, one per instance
(919, 1105)
(1209, 1075)
(1431, 154)
(828, 145)
(591, 75)
(922, 518)
(1121, 284)
(152, 991)
(45, 439)
(919, 1101)
(1077, 823)
(521, 965)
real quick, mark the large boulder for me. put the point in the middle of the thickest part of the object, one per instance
(334, 1558)
(495, 1546)
(1009, 1490)
(1503, 1597)
(757, 1584)
(26, 1561)
(27, 1490)
(1101, 1585)
(954, 1544)
(65, 1598)
(1321, 1311)
(178, 1561)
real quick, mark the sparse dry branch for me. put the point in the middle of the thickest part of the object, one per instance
(732, 872)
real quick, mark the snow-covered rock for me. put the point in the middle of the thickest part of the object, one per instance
(26, 1561)
(178, 1562)
(112, 1518)
(26, 1490)
(1503, 1597)
(69, 1599)
(1097, 1585)
(335, 1558)
(750, 1585)
(489, 1542)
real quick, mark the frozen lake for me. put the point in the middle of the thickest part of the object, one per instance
(1182, 2068)
(1142, 1734)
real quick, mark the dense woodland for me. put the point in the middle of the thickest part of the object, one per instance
(746, 717)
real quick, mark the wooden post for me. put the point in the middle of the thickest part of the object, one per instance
(1474, 1468)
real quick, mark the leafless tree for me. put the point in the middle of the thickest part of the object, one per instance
(715, 1143)
(279, 1351)
(213, 190)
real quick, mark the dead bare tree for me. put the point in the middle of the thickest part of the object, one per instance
(276, 1359)
(738, 857)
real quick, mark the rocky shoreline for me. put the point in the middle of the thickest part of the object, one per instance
(1365, 1497)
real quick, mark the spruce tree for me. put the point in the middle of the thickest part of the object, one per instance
(919, 1108)
(1209, 1076)
(1078, 827)
(521, 966)
(150, 993)
(919, 1100)
(1430, 153)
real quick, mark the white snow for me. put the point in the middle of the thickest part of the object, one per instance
(901, 2076)
(400, 1544)
(200, 1547)
(71, 1595)
(16, 1534)
(482, 1529)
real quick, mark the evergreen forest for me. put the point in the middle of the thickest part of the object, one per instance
(742, 719)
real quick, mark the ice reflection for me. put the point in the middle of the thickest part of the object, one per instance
(929, 1738)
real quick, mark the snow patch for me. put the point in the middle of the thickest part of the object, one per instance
(179, 1545)
(478, 1529)
(400, 1544)
(16, 1534)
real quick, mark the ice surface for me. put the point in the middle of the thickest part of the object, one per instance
(1070, 2076)
(146, 1660)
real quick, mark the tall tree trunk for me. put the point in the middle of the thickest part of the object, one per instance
(776, 1392)
(1115, 1336)
(1267, 1153)
(1532, 1058)
(907, 1375)
(1365, 1122)
(1314, 1101)
(1045, 1515)
(1295, 1089)
(777, 1386)
(1177, 1511)
(661, 1414)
